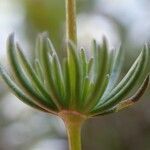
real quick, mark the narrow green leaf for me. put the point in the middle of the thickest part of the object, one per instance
(58, 77)
(67, 82)
(128, 82)
(47, 71)
(85, 90)
(129, 102)
(38, 70)
(124, 80)
(101, 81)
(136, 97)
(22, 79)
(18, 92)
(50, 46)
(116, 70)
(57, 69)
(38, 47)
(32, 76)
(90, 66)
(74, 75)
(83, 63)
(95, 60)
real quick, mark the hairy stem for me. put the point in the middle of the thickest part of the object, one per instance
(73, 122)
(71, 30)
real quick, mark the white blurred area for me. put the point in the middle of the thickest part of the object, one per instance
(96, 27)
(133, 14)
(28, 128)
(20, 124)
(11, 21)
(50, 144)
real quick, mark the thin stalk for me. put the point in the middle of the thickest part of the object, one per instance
(71, 29)
(73, 122)
(74, 136)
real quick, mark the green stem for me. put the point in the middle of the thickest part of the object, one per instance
(74, 136)
(73, 122)
(71, 29)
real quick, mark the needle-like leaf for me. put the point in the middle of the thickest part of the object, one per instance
(17, 91)
(47, 71)
(128, 82)
(115, 71)
(66, 82)
(38, 70)
(74, 75)
(135, 98)
(58, 77)
(129, 102)
(102, 78)
(21, 78)
(27, 68)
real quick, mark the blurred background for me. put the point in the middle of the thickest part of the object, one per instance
(124, 23)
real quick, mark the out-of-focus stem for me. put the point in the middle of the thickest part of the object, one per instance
(71, 29)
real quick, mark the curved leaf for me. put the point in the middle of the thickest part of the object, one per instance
(115, 71)
(66, 82)
(21, 78)
(47, 71)
(38, 70)
(129, 102)
(102, 79)
(27, 68)
(58, 77)
(19, 93)
(74, 75)
(128, 82)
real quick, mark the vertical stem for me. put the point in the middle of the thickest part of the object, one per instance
(73, 122)
(71, 35)
(71, 29)
(74, 135)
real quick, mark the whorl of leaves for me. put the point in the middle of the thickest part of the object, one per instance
(86, 85)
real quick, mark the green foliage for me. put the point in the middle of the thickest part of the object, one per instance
(83, 84)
